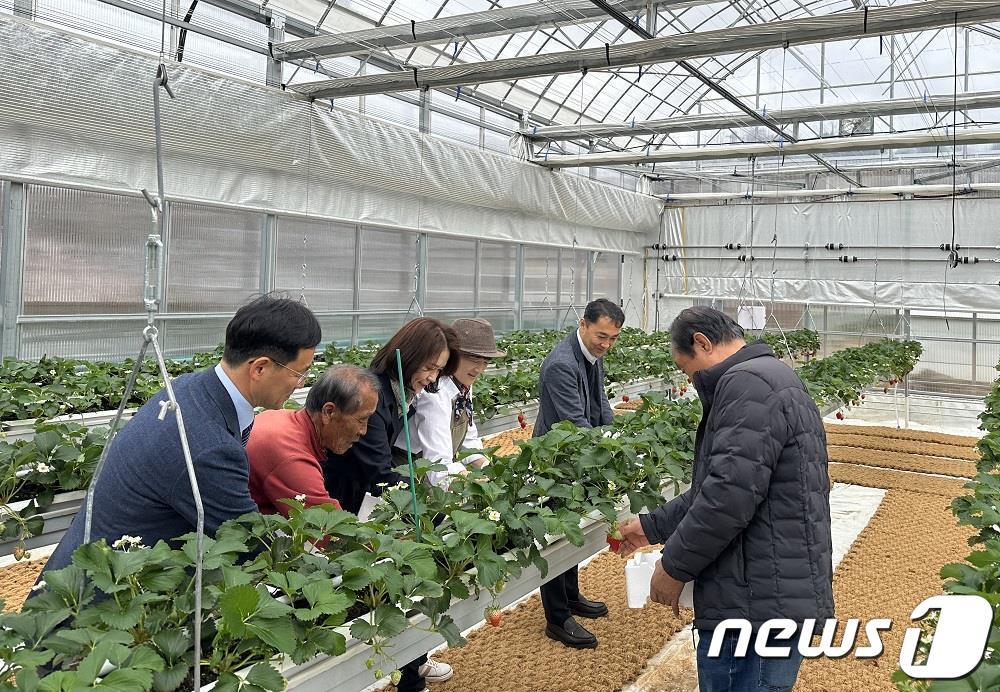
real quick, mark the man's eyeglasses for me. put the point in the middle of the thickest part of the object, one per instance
(302, 376)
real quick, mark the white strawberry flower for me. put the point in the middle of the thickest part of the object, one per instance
(40, 585)
(301, 497)
(492, 514)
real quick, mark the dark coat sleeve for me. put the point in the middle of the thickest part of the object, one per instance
(561, 387)
(750, 431)
(607, 415)
(660, 524)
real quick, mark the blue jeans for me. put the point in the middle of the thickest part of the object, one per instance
(750, 673)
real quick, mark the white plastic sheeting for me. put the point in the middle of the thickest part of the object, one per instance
(72, 110)
(814, 276)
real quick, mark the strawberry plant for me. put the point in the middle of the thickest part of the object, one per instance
(61, 456)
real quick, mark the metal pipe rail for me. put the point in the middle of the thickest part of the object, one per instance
(838, 26)
(718, 121)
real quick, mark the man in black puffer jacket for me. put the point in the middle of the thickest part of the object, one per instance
(753, 532)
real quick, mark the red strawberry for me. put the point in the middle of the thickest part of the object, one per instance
(493, 616)
(885, 390)
(862, 397)
(625, 398)
(840, 415)
(614, 543)
(893, 382)
(523, 425)
(520, 418)
(684, 390)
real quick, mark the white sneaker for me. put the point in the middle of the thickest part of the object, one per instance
(435, 671)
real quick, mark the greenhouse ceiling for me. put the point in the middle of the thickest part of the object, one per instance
(574, 80)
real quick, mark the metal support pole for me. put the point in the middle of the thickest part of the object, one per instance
(425, 111)
(592, 258)
(826, 328)
(420, 296)
(268, 241)
(12, 226)
(651, 17)
(477, 278)
(519, 288)
(907, 334)
(975, 332)
(275, 34)
(621, 281)
(24, 9)
(356, 319)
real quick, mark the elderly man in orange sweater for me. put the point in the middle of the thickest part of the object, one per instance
(286, 447)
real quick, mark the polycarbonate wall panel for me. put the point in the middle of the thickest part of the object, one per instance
(987, 356)
(388, 259)
(319, 257)
(606, 277)
(84, 252)
(541, 276)
(380, 327)
(573, 277)
(98, 340)
(336, 328)
(862, 321)
(214, 258)
(497, 274)
(451, 273)
(503, 322)
(956, 326)
(542, 318)
(182, 337)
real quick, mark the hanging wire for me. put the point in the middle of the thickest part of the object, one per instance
(874, 311)
(953, 254)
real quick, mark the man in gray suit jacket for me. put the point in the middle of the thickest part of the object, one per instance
(572, 389)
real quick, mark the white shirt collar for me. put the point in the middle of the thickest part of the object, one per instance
(244, 411)
(586, 354)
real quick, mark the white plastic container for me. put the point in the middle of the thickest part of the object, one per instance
(638, 571)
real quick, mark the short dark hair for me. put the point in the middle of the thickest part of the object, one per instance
(418, 341)
(602, 307)
(270, 326)
(717, 326)
(343, 386)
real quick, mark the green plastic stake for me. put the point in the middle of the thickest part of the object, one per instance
(406, 432)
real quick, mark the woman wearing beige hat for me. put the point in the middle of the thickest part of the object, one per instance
(442, 423)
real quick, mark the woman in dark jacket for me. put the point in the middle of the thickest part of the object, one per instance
(428, 349)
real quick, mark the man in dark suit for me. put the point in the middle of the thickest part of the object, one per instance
(572, 389)
(143, 489)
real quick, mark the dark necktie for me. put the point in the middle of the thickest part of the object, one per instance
(246, 433)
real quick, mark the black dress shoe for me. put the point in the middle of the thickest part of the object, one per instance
(571, 634)
(588, 609)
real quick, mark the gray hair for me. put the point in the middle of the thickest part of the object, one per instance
(717, 326)
(342, 385)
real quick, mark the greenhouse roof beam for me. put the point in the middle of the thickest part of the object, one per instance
(467, 26)
(720, 121)
(762, 169)
(746, 151)
(888, 190)
(720, 90)
(872, 22)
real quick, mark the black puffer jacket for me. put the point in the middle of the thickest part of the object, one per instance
(754, 529)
